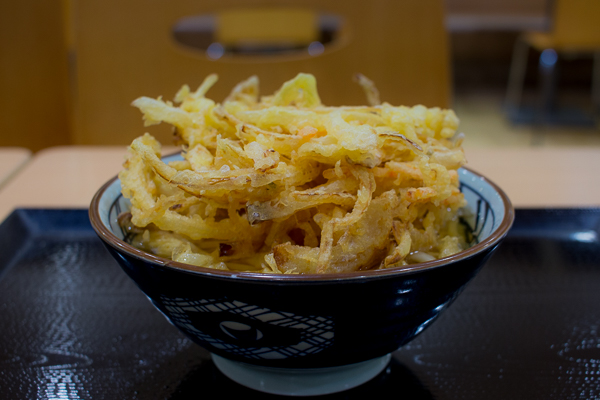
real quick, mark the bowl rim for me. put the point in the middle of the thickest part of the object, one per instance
(119, 245)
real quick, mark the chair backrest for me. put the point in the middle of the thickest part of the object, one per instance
(127, 48)
(577, 24)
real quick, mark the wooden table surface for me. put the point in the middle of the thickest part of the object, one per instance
(68, 177)
(11, 160)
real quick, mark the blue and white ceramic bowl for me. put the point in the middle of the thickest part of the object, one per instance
(306, 334)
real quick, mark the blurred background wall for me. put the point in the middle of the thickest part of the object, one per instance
(43, 43)
(483, 34)
(34, 97)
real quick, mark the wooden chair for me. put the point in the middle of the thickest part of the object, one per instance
(127, 48)
(575, 31)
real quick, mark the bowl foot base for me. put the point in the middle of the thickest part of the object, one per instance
(301, 382)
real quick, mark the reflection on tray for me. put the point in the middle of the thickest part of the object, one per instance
(73, 325)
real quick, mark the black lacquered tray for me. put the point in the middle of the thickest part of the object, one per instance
(72, 324)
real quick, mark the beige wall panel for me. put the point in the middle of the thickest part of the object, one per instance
(33, 74)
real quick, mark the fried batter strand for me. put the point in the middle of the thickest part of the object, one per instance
(284, 184)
